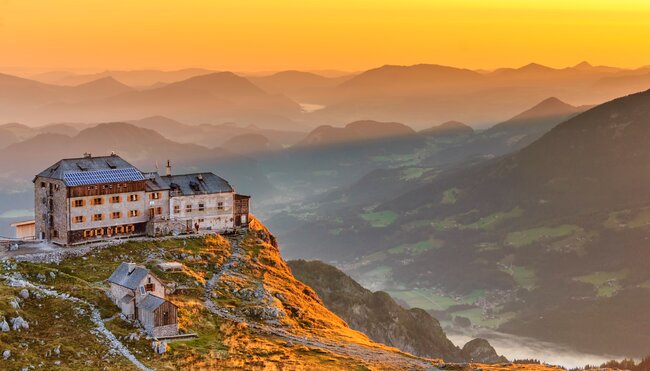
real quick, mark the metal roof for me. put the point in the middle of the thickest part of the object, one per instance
(155, 182)
(127, 299)
(78, 178)
(199, 183)
(131, 280)
(150, 302)
(91, 165)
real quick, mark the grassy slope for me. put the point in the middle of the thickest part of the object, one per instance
(221, 343)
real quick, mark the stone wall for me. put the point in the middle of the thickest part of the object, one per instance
(51, 210)
(164, 331)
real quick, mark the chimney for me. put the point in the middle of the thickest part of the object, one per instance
(88, 155)
(169, 169)
(131, 267)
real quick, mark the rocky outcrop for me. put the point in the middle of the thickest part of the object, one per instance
(383, 320)
(480, 350)
(377, 314)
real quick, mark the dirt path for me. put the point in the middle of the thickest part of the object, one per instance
(370, 355)
(95, 316)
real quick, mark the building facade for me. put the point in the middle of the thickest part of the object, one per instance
(141, 295)
(96, 198)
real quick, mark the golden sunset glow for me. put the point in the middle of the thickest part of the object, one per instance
(335, 34)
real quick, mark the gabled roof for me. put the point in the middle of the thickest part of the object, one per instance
(151, 302)
(127, 299)
(155, 182)
(130, 280)
(92, 170)
(195, 184)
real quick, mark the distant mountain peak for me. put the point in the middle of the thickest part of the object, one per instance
(548, 107)
(583, 65)
(535, 67)
(106, 81)
(449, 128)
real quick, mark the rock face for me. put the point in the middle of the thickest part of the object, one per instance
(479, 350)
(377, 314)
(383, 320)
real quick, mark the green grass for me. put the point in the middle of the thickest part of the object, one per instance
(606, 284)
(413, 173)
(627, 219)
(476, 316)
(416, 248)
(450, 196)
(424, 298)
(430, 299)
(530, 236)
(445, 224)
(408, 159)
(645, 285)
(380, 219)
(490, 221)
(525, 277)
(375, 257)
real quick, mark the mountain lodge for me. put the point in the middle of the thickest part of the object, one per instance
(97, 198)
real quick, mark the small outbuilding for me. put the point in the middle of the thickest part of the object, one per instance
(25, 230)
(141, 295)
(158, 316)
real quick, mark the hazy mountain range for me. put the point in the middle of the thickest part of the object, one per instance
(417, 95)
(546, 241)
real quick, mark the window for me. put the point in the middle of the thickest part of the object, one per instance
(154, 196)
(188, 208)
(177, 209)
(79, 219)
(55, 234)
(99, 232)
(134, 213)
(116, 215)
(201, 220)
(79, 203)
(133, 198)
(98, 201)
(116, 199)
(42, 184)
(119, 229)
(149, 287)
(159, 211)
(219, 205)
(201, 207)
(98, 217)
(89, 233)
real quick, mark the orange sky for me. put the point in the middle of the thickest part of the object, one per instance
(248, 35)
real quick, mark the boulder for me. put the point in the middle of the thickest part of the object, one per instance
(6, 354)
(480, 350)
(159, 347)
(24, 293)
(19, 323)
(4, 326)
